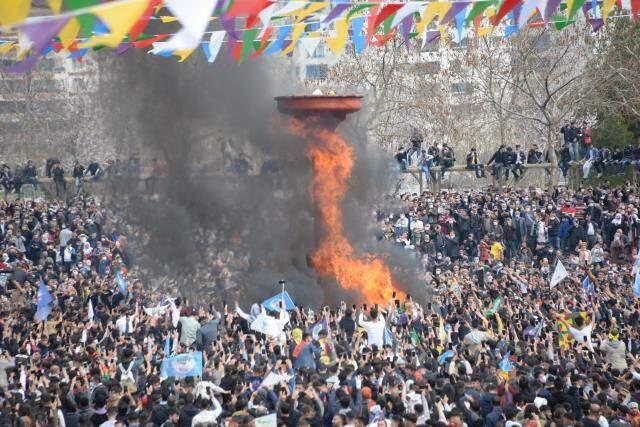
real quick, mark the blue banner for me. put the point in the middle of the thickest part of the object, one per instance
(44, 302)
(182, 365)
(273, 303)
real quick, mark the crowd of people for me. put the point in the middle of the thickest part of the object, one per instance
(488, 343)
(577, 148)
(13, 179)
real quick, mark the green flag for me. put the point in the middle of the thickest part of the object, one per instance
(477, 9)
(494, 307)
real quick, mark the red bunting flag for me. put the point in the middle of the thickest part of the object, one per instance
(506, 7)
(635, 8)
(143, 21)
(378, 16)
(249, 8)
(264, 42)
(145, 43)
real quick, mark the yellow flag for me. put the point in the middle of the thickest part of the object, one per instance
(298, 29)
(483, 31)
(69, 33)
(606, 8)
(6, 47)
(14, 11)
(313, 8)
(432, 10)
(168, 19)
(337, 43)
(443, 34)
(55, 5)
(183, 54)
(119, 17)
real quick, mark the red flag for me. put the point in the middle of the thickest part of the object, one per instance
(506, 7)
(378, 16)
(247, 7)
(635, 8)
(143, 21)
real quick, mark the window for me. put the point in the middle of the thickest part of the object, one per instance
(12, 107)
(316, 72)
(460, 87)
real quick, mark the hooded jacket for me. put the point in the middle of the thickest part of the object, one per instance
(615, 353)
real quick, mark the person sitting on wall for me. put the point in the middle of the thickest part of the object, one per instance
(473, 163)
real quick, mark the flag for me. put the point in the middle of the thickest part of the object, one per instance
(266, 421)
(14, 11)
(558, 275)
(442, 334)
(495, 306)
(388, 336)
(121, 282)
(167, 346)
(408, 9)
(415, 338)
(90, 313)
(175, 313)
(534, 331)
(636, 264)
(444, 356)
(41, 31)
(120, 17)
(505, 364)
(194, 16)
(314, 330)
(213, 47)
(273, 303)
(182, 365)
(359, 40)
(267, 325)
(44, 302)
(636, 285)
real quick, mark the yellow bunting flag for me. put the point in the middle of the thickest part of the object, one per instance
(434, 9)
(55, 5)
(183, 54)
(119, 17)
(443, 34)
(606, 8)
(483, 31)
(298, 29)
(168, 19)
(14, 11)
(69, 33)
(313, 8)
(6, 47)
(337, 43)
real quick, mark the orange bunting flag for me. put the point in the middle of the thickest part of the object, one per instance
(14, 11)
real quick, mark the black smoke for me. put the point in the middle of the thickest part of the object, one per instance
(173, 111)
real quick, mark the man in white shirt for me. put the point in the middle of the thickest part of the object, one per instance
(207, 415)
(374, 327)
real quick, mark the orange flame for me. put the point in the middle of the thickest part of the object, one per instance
(335, 257)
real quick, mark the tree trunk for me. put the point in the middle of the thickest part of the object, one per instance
(553, 159)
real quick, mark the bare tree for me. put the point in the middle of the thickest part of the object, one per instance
(551, 77)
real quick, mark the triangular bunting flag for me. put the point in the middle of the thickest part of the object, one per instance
(408, 9)
(339, 41)
(120, 17)
(310, 44)
(14, 11)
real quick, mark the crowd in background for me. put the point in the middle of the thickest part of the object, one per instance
(576, 148)
(13, 179)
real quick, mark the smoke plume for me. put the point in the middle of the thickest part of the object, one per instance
(185, 115)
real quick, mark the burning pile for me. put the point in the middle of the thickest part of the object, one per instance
(335, 257)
